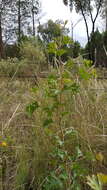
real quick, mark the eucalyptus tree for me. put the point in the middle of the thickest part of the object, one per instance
(23, 13)
(52, 29)
(20, 13)
(87, 8)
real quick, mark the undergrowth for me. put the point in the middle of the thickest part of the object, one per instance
(53, 134)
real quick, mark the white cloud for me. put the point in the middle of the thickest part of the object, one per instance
(55, 9)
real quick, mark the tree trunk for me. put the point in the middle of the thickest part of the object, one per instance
(87, 31)
(1, 40)
(106, 20)
(33, 22)
(19, 21)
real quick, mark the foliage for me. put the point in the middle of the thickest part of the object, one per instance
(60, 140)
(51, 30)
(87, 8)
(98, 48)
(53, 133)
(12, 51)
(32, 51)
(67, 167)
(54, 121)
(75, 49)
(63, 47)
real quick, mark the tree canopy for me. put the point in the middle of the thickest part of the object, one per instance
(51, 29)
(86, 7)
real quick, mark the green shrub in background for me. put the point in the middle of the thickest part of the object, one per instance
(33, 53)
(32, 59)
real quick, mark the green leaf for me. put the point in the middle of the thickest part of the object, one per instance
(79, 170)
(70, 63)
(53, 183)
(63, 176)
(52, 47)
(47, 122)
(52, 76)
(87, 63)
(66, 74)
(60, 52)
(66, 40)
(32, 107)
(64, 113)
(90, 156)
(74, 88)
(34, 89)
(84, 74)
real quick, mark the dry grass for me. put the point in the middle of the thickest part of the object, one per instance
(25, 161)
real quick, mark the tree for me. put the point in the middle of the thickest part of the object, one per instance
(24, 13)
(21, 13)
(51, 29)
(1, 40)
(15, 17)
(98, 44)
(76, 49)
(4, 10)
(86, 7)
(35, 11)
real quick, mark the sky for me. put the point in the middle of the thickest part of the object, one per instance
(55, 9)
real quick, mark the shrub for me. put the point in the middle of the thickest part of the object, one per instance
(32, 51)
